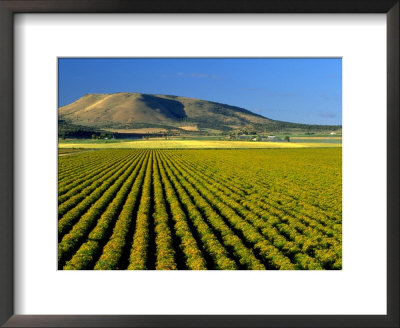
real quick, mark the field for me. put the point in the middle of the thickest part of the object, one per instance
(228, 209)
(188, 144)
(70, 151)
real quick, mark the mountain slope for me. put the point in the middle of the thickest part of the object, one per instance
(124, 110)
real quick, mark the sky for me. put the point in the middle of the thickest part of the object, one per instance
(302, 90)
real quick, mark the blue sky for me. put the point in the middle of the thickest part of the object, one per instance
(293, 90)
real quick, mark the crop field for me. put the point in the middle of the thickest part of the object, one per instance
(215, 209)
(71, 151)
(188, 144)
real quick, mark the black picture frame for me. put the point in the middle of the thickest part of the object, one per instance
(10, 7)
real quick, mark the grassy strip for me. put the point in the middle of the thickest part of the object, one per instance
(197, 144)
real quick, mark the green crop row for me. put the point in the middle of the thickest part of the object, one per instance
(251, 235)
(139, 252)
(80, 195)
(255, 217)
(90, 196)
(324, 231)
(210, 242)
(84, 170)
(230, 239)
(200, 209)
(72, 167)
(80, 184)
(193, 255)
(312, 211)
(113, 250)
(72, 240)
(85, 256)
(164, 244)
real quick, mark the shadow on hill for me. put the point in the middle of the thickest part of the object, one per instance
(228, 109)
(169, 108)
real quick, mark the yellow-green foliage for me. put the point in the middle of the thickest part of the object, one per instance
(140, 244)
(195, 144)
(113, 249)
(201, 209)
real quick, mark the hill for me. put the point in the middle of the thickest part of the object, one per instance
(119, 112)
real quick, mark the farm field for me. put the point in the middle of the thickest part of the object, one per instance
(189, 144)
(70, 151)
(215, 209)
(313, 141)
(64, 151)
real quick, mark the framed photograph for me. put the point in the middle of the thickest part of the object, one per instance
(199, 164)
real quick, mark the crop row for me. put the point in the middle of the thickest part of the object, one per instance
(76, 235)
(77, 166)
(200, 209)
(258, 218)
(80, 183)
(320, 239)
(86, 172)
(86, 254)
(77, 204)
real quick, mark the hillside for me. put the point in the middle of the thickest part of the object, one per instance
(121, 112)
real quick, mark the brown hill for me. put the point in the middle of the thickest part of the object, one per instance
(130, 110)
